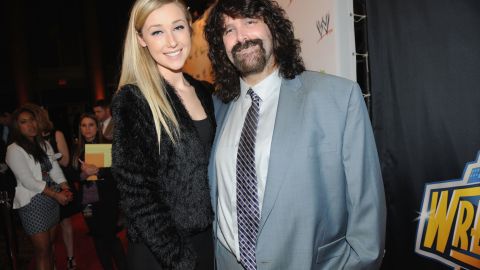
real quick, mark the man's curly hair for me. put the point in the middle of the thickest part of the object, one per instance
(286, 49)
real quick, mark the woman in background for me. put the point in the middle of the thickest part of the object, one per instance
(99, 198)
(164, 128)
(41, 186)
(62, 155)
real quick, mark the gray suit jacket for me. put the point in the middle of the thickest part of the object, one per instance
(324, 205)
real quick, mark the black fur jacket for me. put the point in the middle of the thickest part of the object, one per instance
(164, 195)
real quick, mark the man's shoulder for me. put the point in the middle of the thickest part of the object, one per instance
(320, 85)
(219, 106)
(314, 79)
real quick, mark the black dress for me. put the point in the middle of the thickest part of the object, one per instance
(203, 241)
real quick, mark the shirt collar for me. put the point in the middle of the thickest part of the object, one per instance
(265, 88)
(107, 121)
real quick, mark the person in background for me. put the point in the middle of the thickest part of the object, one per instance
(99, 198)
(4, 141)
(164, 127)
(295, 177)
(62, 155)
(7, 180)
(197, 64)
(102, 111)
(3, 165)
(5, 122)
(41, 185)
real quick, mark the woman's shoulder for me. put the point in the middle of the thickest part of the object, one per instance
(130, 107)
(128, 96)
(57, 132)
(204, 86)
(127, 92)
(15, 150)
(58, 136)
(14, 147)
(204, 91)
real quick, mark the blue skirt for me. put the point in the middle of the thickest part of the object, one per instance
(41, 214)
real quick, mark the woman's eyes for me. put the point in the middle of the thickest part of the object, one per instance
(176, 28)
(180, 27)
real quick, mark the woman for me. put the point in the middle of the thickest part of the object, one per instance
(164, 128)
(62, 155)
(99, 198)
(41, 186)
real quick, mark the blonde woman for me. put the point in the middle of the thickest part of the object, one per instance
(164, 128)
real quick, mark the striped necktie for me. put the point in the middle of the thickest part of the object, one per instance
(248, 213)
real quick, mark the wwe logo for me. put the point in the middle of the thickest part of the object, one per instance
(323, 26)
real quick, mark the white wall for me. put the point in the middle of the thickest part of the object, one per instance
(331, 48)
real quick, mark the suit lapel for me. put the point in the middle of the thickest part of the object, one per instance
(287, 124)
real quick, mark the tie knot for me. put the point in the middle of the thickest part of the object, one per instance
(252, 94)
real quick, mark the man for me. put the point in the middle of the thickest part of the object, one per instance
(294, 171)
(101, 108)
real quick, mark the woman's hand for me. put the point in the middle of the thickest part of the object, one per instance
(63, 197)
(89, 169)
(64, 186)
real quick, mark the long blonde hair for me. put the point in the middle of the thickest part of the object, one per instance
(139, 68)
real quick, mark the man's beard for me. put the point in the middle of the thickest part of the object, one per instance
(252, 62)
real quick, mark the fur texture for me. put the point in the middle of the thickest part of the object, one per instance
(165, 195)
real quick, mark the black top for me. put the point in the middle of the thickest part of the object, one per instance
(205, 132)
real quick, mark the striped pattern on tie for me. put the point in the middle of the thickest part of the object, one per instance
(248, 213)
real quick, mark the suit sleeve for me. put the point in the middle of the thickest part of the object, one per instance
(137, 170)
(365, 193)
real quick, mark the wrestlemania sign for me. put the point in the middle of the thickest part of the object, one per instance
(449, 226)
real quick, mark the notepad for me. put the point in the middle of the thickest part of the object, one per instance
(99, 155)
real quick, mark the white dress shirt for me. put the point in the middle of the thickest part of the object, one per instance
(226, 155)
(105, 124)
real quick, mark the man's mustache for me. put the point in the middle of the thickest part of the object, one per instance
(247, 44)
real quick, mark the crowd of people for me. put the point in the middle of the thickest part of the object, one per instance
(269, 167)
(46, 174)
